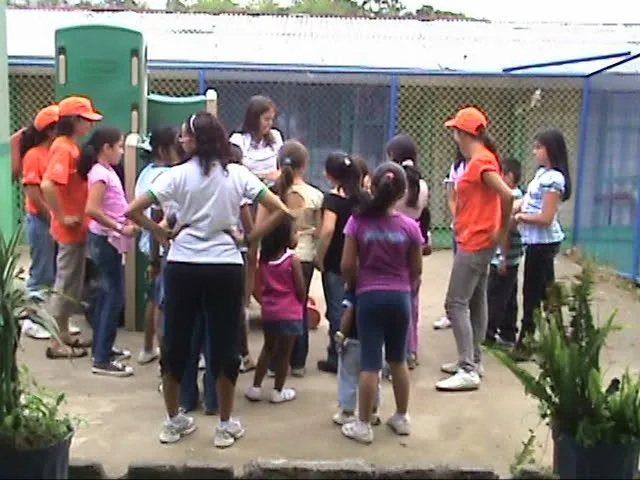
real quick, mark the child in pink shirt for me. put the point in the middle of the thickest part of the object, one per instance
(283, 295)
(109, 238)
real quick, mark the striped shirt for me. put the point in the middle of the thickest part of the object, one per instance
(545, 180)
(516, 249)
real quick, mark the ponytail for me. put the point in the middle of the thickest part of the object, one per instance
(285, 180)
(488, 142)
(413, 182)
(351, 184)
(388, 185)
(88, 158)
(31, 137)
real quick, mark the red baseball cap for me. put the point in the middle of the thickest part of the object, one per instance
(78, 107)
(468, 120)
(46, 117)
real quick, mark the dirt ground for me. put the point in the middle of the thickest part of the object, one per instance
(122, 417)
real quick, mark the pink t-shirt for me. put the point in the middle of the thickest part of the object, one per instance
(114, 202)
(279, 300)
(383, 251)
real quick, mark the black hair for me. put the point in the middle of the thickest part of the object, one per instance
(32, 137)
(460, 159)
(236, 153)
(258, 105)
(66, 126)
(553, 141)
(91, 149)
(488, 142)
(388, 185)
(362, 165)
(292, 156)
(211, 139)
(514, 167)
(163, 138)
(402, 150)
(348, 177)
(276, 242)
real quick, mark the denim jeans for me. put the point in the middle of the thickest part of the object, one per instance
(349, 376)
(109, 296)
(333, 287)
(189, 392)
(42, 247)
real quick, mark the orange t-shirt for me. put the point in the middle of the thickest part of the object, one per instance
(72, 190)
(34, 165)
(478, 207)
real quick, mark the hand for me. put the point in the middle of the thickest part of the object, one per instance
(162, 235)
(517, 218)
(71, 221)
(502, 266)
(130, 230)
(339, 340)
(499, 236)
(238, 237)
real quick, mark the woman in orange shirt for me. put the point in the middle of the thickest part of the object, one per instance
(481, 221)
(66, 195)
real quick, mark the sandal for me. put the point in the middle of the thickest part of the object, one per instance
(59, 353)
(77, 342)
(412, 361)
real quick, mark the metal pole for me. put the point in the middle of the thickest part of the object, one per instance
(7, 221)
(394, 99)
(582, 156)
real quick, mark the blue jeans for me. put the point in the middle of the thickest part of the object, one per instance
(333, 287)
(189, 392)
(109, 296)
(383, 320)
(349, 376)
(42, 247)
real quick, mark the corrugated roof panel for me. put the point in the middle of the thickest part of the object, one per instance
(331, 41)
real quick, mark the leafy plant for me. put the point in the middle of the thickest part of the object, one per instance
(31, 416)
(570, 386)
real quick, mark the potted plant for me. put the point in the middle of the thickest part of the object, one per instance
(595, 430)
(35, 435)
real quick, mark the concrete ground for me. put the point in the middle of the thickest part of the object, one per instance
(122, 417)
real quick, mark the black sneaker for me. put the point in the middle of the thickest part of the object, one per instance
(112, 369)
(327, 366)
(118, 353)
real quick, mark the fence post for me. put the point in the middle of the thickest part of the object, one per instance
(393, 106)
(202, 82)
(635, 272)
(130, 274)
(580, 167)
(7, 223)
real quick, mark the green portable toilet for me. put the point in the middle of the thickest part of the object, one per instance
(109, 65)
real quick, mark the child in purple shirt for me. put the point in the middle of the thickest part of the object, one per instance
(382, 258)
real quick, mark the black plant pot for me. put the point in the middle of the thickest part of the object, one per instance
(574, 461)
(51, 462)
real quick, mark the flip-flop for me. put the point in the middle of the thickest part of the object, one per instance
(78, 343)
(55, 354)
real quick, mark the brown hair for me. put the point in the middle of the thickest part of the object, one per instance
(293, 155)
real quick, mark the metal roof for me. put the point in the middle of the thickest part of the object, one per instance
(334, 43)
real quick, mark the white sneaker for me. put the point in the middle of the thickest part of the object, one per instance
(442, 323)
(453, 367)
(177, 427)
(342, 418)
(462, 381)
(34, 330)
(400, 424)
(359, 431)
(145, 357)
(73, 330)
(282, 396)
(201, 363)
(227, 433)
(253, 394)
(271, 373)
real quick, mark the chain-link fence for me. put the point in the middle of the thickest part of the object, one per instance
(607, 217)
(358, 113)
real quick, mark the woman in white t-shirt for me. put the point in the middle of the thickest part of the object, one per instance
(204, 271)
(260, 144)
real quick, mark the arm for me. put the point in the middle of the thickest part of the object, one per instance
(550, 202)
(415, 262)
(494, 181)
(318, 221)
(298, 280)
(135, 213)
(349, 262)
(246, 219)
(51, 197)
(270, 213)
(451, 199)
(35, 195)
(346, 323)
(94, 208)
(327, 227)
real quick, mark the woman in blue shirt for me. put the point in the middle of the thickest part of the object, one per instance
(537, 219)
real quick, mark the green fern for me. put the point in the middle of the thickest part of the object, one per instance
(569, 386)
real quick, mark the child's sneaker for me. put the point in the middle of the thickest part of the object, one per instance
(298, 372)
(227, 433)
(342, 417)
(253, 394)
(177, 427)
(118, 353)
(453, 367)
(400, 424)
(112, 369)
(412, 361)
(461, 381)
(375, 419)
(247, 364)
(202, 364)
(359, 431)
(271, 373)
(442, 323)
(282, 396)
(145, 357)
